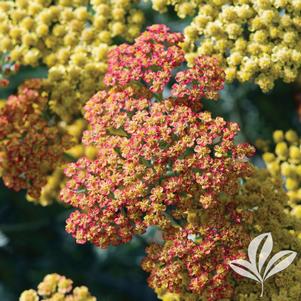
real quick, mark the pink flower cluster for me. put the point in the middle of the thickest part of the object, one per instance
(194, 260)
(156, 156)
(152, 60)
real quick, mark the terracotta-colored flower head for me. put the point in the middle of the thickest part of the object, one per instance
(31, 145)
(156, 156)
(194, 260)
(152, 60)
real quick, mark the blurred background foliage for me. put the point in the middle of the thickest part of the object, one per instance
(33, 242)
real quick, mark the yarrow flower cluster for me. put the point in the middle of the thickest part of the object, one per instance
(55, 287)
(285, 160)
(142, 151)
(255, 40)
(31, 145)
(159, 158)
(71, 39)
(35, 145)
(194, 261)
(263, 195)
(195, 266)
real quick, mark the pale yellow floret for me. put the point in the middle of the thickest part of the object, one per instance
(291, 136)
(294, 154)
(274, 168)
(29, 295)
(282, 150)
(268, 157)
(278, 136)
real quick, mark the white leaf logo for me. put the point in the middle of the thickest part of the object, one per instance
(259, 250)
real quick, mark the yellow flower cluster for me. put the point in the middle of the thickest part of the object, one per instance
(55, 287)
(71, 38)
(264, 196)
(285, 160)
(256, 40)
